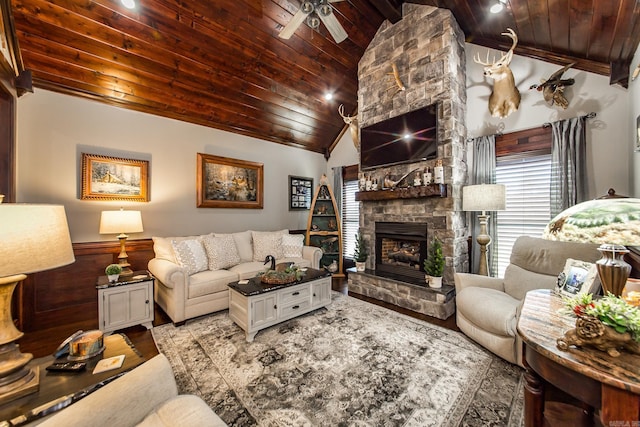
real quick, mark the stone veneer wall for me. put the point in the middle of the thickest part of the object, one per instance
(427, 47)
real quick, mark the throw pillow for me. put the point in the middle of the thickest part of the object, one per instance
(292, 245)
(267, 243)
(190, 255)
(163, 249)
(222, 251)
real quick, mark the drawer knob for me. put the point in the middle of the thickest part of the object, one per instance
(146, 302)
(314, 294)
(295, 293)
(275, 307)
(295, 307)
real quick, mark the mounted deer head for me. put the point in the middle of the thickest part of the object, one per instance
(352, 121)
(505, 97)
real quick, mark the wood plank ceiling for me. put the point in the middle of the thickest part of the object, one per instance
(221, 63)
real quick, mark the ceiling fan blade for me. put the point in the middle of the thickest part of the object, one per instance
(293, 25)
(333, 25)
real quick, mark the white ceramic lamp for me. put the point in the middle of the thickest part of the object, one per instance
(483, 198)
(121, 222)
(34, 238)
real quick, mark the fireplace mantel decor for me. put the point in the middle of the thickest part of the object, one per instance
(431, 190)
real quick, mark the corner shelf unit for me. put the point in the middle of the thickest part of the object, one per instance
(324, 229)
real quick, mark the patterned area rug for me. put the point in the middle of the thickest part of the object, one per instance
(350, 364)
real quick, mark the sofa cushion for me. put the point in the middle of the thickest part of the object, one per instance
(247, 270)
(489, 309)
(208, 282)
(182, 411)
(243, 244)
(267, 243)
(518, 281)
(221, 251)
(292, 245)
(190, 255)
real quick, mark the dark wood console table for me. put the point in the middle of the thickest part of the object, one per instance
(601, 382)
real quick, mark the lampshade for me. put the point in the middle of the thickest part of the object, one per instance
(483, 197)
(33, 238)
(116, 222)
(611, 221)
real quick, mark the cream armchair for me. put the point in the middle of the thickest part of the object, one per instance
(487, 308)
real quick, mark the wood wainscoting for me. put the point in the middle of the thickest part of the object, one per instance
(68, 295)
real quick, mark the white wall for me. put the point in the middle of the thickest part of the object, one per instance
(344, 154)
(54, 129)
(608, 135)
(634, 113)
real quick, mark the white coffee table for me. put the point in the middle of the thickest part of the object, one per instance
(255, 305)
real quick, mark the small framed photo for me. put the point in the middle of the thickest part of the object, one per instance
(113, 178)
(223, 182)
(300, 193)
(578, 277)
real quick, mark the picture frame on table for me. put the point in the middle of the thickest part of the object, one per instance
(114, 178)
(578, 277)
(223, 182)
(300, 193)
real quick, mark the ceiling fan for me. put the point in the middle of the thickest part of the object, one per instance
(314, 11)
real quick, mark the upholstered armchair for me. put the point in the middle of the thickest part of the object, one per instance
(487, 308)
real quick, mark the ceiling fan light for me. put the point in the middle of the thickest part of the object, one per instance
(307, 7)
(324, 9)
(313, 21)
(129, 4)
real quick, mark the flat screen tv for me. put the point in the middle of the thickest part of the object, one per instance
(407, 138)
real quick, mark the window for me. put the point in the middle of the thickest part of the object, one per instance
(528, 206)
(350, 217)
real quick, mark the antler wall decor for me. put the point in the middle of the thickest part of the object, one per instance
(505, 97)
(399, 86)
(352, 121)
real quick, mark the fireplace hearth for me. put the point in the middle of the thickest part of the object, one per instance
(401, 248)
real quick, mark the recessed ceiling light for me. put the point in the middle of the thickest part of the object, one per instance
(496, 8)
(328, 96)
(129, 4)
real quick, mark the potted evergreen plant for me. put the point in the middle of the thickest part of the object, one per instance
(113, 272)
(361, 253)
(434, 264)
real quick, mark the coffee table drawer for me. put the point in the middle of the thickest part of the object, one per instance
(295, 309)
(298, 293)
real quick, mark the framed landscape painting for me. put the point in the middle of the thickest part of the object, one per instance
(113, 178)
(223, 182)
(300, 196)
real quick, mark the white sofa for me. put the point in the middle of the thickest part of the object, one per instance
(487, 308)
(146, 396)
(192, 272)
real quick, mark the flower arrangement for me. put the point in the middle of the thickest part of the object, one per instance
(611, 310)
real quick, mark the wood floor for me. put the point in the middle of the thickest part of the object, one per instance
(43, 343)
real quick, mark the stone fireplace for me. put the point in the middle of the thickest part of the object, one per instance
(427, 47)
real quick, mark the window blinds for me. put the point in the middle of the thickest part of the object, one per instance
(350, 217)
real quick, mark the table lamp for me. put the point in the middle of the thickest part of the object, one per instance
(611, 222)
(121, 222)
(34, 238)
(483, 198)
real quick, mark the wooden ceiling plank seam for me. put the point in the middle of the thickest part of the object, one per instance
(538, 16)
(581, 22)
(603, 31)
(231, 76)
(559, 25)
(520, 12)
(627, 31)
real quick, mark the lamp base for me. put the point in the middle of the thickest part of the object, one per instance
(16, 379)
(613, 269)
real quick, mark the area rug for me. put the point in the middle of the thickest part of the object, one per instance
(349, 364)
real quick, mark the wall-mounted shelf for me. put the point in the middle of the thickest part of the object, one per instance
(431, 190)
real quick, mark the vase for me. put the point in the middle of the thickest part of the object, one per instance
(112, 277)
(435, 282)
(361, 266)
(613, 269)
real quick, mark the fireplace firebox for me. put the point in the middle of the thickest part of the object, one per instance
(401, 248)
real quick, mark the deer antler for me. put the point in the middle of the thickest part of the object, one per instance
(347, 119)
(352, 121)
(396, 77)
(477, 60)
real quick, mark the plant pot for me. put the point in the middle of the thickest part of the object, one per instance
(113, 277)
(435, 282)
(361, 266)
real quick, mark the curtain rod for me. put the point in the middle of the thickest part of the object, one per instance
(591, 115)
(494, 134)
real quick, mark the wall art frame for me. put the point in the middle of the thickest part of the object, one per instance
(114, 178)
(300, 193)
(223, 182)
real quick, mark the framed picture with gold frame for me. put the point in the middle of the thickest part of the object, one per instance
(223, 182)
(113, 178)
(10, 60)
